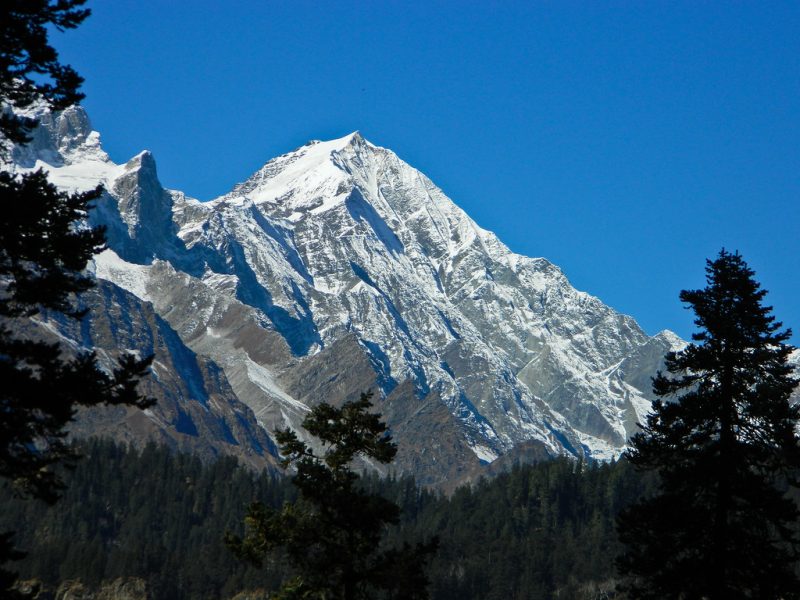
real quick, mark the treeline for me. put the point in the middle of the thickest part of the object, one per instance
(539, 531)
(153, 514)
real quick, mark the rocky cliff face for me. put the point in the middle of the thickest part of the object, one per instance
(197, 411)
(337, 268)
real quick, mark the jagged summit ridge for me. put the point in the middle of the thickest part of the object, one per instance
(342, 240)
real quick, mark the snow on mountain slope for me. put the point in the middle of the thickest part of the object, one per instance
(512, 348)
(342, 240)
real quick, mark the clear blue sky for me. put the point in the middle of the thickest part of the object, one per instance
(624, 141)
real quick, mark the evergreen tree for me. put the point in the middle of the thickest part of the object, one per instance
(538, 531)
(332, 534)
(29, 68)
(45, 243)
(722, 437)
(42, 253)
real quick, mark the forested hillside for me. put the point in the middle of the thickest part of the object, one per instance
(539, 531)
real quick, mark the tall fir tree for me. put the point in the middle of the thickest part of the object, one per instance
(332, 534)
(722, 437)
(45, 243)
(43, 251)
(30, 71)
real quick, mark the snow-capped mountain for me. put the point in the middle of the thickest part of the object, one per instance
(338, 267)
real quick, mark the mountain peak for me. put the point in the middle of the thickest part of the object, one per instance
(142, 160)
(353, 138)
(315, 168)
(342, 240)
(61, 138)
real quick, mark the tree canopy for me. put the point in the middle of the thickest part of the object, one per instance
(538, 531)
(45, 243)
(30, 71)
(332, 534)
(722, 437)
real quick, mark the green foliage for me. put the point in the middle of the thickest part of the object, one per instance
(43, 250)
(539, 531)
(29, 66)
(332, 534)
(45, 243)
(725, 450)
(149, 512)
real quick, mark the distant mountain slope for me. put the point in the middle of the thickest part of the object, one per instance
(196, 411)
(338, 267)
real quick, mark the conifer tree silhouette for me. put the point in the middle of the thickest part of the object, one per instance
(45, 243)
(332, 534)
(723, 439)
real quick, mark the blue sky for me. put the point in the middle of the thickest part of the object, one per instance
(625, 141)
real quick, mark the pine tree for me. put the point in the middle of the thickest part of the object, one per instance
(332, 534)
(722, 437)
(45, 243)
(29, 68)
